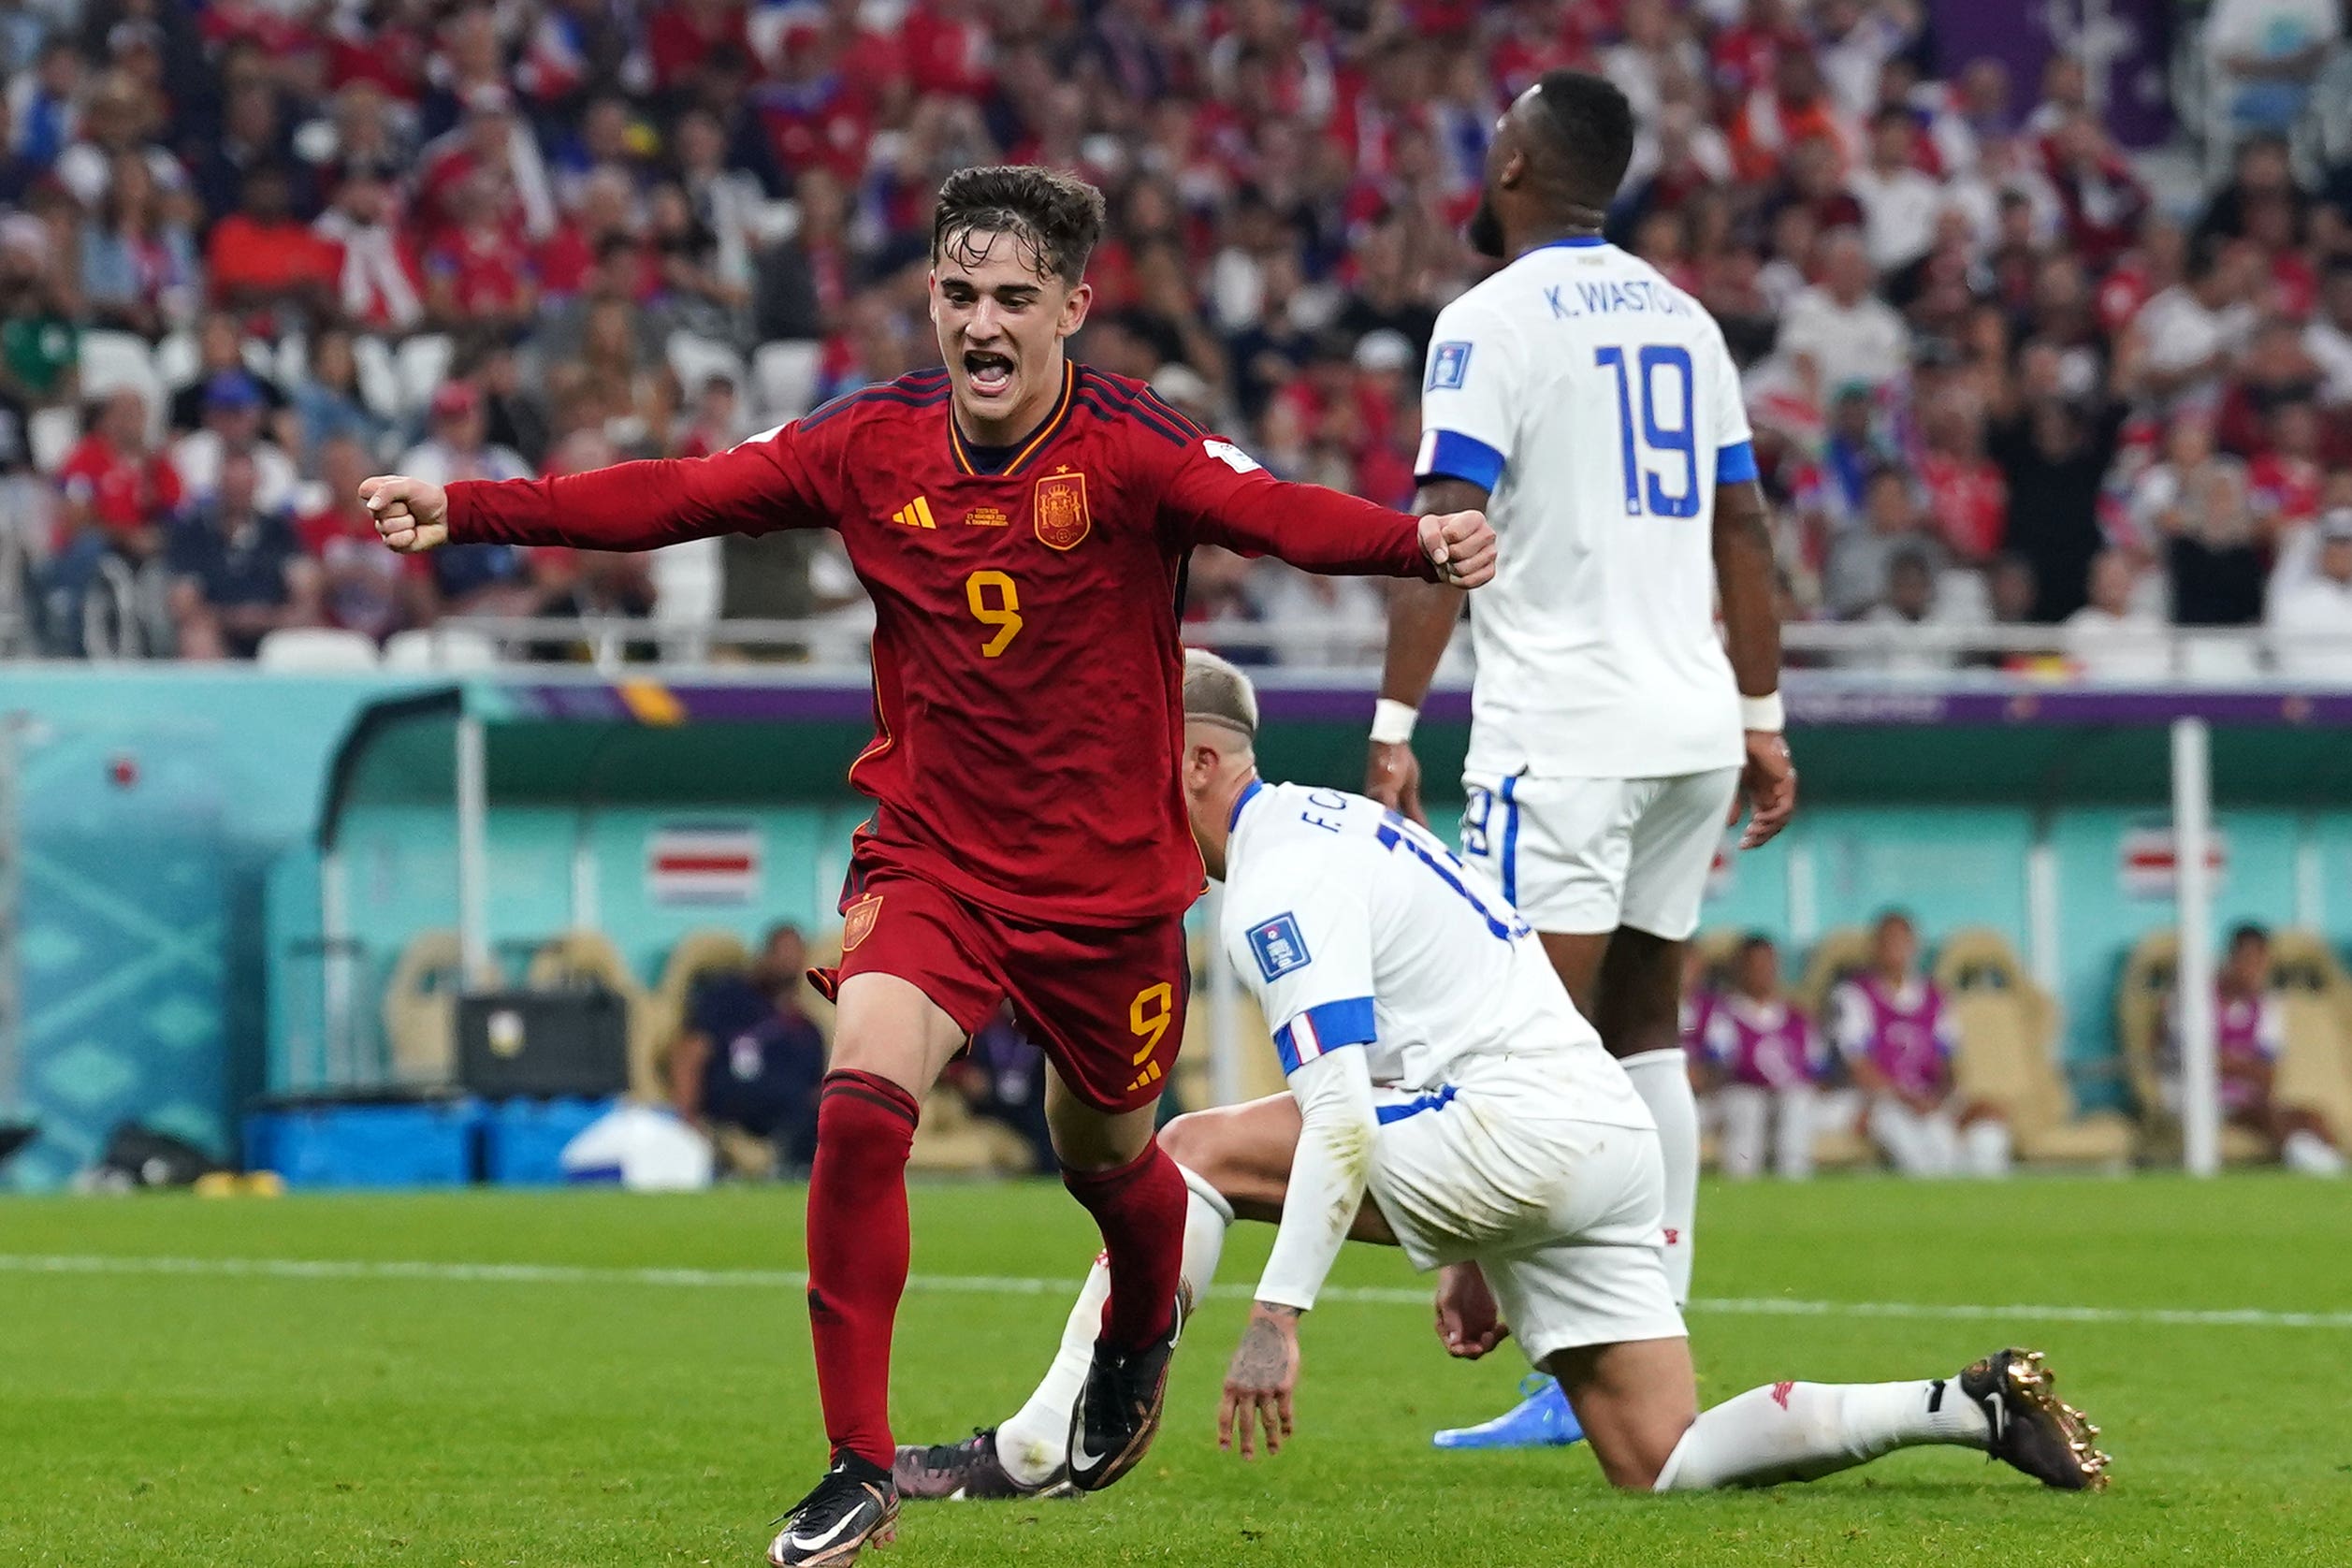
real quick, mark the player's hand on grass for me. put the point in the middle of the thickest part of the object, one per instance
(1768, 788)
(411, 514)
(1392, 777)
(1463, 545)
(1257, 1385)
(1469, 1324)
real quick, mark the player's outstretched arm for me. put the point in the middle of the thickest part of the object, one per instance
(1746, 576)
(1421, 620)
(767, 482)
(1217, 494)
(1328, 1174)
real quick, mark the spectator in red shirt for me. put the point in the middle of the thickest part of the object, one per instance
(2102, 200)
(2270, 224)
(1968, 499)
(363, 587)
(683, 34)
(489, 139)
(2276, 371)
(262, 257)
(946, 47)
(605, 218)
(1816, 180)
(378, 284)
(1795, 109)
(2286, 479)
(816, 114)
(478, 277)
(118, 493)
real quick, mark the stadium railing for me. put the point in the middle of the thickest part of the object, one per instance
(2199, 655)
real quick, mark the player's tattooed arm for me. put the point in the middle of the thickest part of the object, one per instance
(1748, 578)
(1421, 620)
(1258, 1383)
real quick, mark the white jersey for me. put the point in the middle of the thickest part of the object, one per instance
(1597, 404)
(1354, 927)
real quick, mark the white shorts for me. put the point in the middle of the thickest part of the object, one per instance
(1563, 1216)
(1588, 855)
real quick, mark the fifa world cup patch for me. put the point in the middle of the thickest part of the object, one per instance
(1059, 512)
(857, 920)
(1448, 364)
(1279, 947)
(1232, 455)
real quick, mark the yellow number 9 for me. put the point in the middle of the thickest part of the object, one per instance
(1148, 1016)
(1004, 614)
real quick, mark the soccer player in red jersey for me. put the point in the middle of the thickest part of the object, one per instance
(1021, 524)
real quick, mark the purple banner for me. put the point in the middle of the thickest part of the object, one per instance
(2127, 44)
(1811, 705)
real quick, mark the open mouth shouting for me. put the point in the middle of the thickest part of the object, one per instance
(988, 373)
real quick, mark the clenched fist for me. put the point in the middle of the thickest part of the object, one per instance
(1463, 545)
(410, 514)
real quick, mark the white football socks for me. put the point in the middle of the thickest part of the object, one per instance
(1663, 1079)
(1034, 1443)
(1801, 1431)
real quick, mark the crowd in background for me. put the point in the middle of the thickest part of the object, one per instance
(256, 249)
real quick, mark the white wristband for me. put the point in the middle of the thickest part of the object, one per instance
(1762, 713)
(1392, 721)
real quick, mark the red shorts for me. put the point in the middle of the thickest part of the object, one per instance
(1105, 1005)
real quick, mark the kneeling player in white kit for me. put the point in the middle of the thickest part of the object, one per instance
(1446, 1097)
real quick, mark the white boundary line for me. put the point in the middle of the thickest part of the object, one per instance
(991, 1285)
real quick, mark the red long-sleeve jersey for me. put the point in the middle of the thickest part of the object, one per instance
(1028, 708)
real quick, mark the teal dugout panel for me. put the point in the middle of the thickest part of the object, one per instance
(152, 804)
(173, 903)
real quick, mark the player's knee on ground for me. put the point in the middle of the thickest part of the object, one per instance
(1635, 1401)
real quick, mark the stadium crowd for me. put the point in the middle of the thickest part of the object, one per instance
(255, 249)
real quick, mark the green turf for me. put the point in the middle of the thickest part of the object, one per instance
(206, 1418)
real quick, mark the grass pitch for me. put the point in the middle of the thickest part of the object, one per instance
(596, 1379)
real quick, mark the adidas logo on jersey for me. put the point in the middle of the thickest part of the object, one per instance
(915, 514)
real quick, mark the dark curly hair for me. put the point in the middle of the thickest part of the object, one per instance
(1055, 219)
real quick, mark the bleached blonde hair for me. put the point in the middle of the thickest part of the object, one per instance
(1216, 692)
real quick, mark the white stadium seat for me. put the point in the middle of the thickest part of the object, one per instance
(112, 361)
(442, 648)
(695, 359)
(49, 435)
(379, 378)
(783, 382)
(176, 360)
(686, 582)
(424, 364)
(315, 651)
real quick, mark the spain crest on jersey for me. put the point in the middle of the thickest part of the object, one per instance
(857, 920)
(1060, 513)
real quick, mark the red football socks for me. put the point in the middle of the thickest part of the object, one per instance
(1139, 1206)
(857, 1253)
